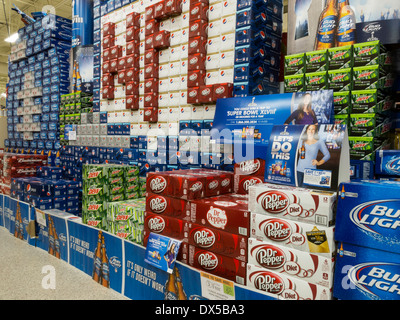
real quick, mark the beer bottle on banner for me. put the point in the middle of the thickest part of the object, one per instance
(325, 38)
(105, 269)
(97, 265)
(51, 237)
(179, 285)
(346, 31)
(78, 78)
(56, 242)
(171, 291)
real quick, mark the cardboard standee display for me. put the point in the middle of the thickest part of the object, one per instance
(311, 156)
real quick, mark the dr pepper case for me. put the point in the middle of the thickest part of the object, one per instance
(294, 203)
(253, 167)
(217, 241)
(214, 263)
(167, 226)
(226, 212)
(165, 205)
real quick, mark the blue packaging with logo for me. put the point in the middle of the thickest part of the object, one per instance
(366, 274)
(387, 162)
(368, 214)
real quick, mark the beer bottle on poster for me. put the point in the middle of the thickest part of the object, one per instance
(346, 31)
(171, 291)
(78, 78)
(97, 265)
(51, 237)
(17, 228)
(327, 23)
(105, 269)
(56, 242)
(179, 285)
(303, 152)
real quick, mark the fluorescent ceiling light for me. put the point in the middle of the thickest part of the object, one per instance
(12, 38)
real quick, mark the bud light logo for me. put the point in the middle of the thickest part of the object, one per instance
(393, 166)
(378, 218)
(377, 280)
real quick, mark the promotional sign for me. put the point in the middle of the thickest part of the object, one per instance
(322, 24)
(363, 273)
(161, 251)
(249, 120)
(313, 156)
(52, 234)
(368, 214)
(19, 219)
(97, 253)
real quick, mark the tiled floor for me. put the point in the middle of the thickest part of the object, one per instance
(21, 277)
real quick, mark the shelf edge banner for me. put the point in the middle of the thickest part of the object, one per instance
(312, 156)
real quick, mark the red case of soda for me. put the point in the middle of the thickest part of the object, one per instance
(23, 160)
(173, 7)
(165, 205)
(133, 20)
(228, 213)
(214, 263)
(164, 225)
(252, 167)
(217, 241)
(198, 11)
(242, 183)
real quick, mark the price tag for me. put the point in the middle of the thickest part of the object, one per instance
(41, 217)
(215, 288)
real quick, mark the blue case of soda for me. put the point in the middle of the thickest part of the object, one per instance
(368, 214)
(366, 274)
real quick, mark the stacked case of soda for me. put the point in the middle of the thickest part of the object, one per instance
(38, 75)
(14, 165)
(291, 246)
(257, 47)
(368, 255)
(361, 77)
(198, 207)
(77, 109)
(104, 183)
(126, 219)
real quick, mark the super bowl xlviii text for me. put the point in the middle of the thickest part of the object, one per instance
(200, 309)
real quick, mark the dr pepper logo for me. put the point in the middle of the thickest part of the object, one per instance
(276, 229)
(267, 281)
(269, 256)
(207, 260)
(158, 184)
(158, 204)
(273, 201)
(156, 224)
(204, 238)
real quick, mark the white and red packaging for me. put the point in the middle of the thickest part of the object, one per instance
(292, 234)
(284, 287)
(217, 241)
(228, 213)
(295, 263)
(214, 263)
(294, 203)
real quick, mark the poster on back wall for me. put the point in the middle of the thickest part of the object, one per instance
(310, 156)
(322, 24)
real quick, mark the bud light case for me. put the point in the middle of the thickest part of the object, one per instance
(387, 162)
(315, 156)
(366, 274)
(368, 214)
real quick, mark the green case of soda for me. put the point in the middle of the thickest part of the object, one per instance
(340, 80)
(294, 64)
(294, 83)
(342, 102)
(316, 61)
(316, 81)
